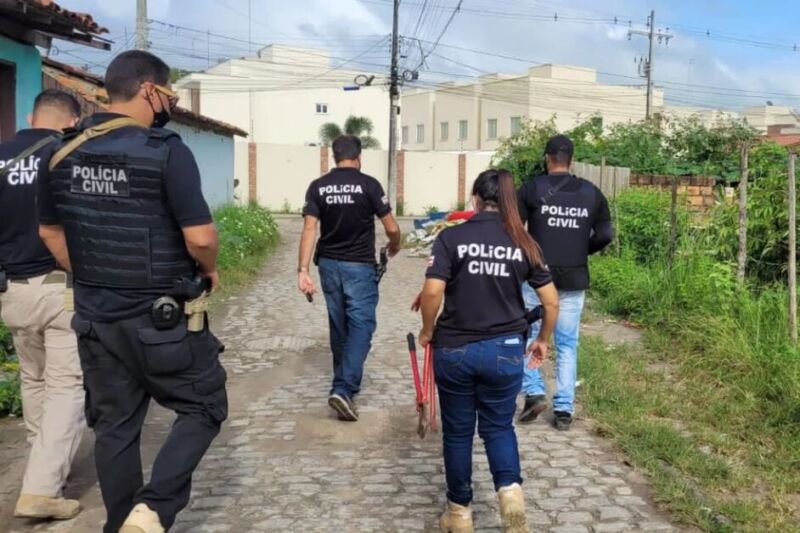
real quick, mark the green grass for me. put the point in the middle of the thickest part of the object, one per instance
(710, 406)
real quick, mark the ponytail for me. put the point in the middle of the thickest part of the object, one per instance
(496, 188)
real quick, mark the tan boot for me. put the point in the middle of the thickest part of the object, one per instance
(33, 506)
(142, 520)
(456, 519)
(512, 509)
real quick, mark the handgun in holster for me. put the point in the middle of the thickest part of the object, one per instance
(195, 292)
(537, 313)
(69, 294)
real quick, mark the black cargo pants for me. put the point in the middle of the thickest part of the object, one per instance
(125, 364)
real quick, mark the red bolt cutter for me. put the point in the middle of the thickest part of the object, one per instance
(425, 387)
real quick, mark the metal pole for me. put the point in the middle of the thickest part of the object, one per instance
(649, 108)
(394, 94)
(142, 39)
(792, 248)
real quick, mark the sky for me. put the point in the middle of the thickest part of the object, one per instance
(724, 53)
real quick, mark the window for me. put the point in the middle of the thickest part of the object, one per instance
(420, 133)
(405, 135)
(322, 109)
(463, 129)
(516, 125)
(491, 129)
(445, 131)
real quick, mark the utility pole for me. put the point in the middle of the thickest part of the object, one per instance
(646, 66)
(142, 39)
(394, 96)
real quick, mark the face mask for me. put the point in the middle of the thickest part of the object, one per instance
(160, 118)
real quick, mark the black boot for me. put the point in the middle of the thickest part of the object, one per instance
(534, 406)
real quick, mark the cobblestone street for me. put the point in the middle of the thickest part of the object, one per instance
(284, 463)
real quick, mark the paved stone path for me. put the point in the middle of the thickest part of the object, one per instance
(284, 463)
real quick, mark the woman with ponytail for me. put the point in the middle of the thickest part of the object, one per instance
(478, 269)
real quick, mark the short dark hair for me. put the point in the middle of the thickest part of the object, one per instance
(561, 158)
(560, 148)
(346, 147)
(127, 72)
(61, 100)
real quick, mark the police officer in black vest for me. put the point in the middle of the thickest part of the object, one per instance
(121, 207)
(569, 218)
(478, 268)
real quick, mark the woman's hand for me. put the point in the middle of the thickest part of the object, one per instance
(537, 353)
(425, 337)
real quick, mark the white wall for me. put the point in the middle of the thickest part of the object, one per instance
(284, 172)
(431, 179)
(476, 163)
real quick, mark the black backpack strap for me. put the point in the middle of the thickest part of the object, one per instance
(29, 151)
(552, 191)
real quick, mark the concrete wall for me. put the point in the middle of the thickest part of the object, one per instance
(284, 172)
(28, 73)
(476, 163)
(215, 159)
(240, 172)
(430, 179)
(418, 109)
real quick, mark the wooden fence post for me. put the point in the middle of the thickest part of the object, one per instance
(792, 248)
(673, 222)
(742, 256)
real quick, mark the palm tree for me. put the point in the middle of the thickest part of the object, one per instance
(361, 127)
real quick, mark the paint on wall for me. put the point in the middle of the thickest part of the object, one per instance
(214, 154)
(29, 75)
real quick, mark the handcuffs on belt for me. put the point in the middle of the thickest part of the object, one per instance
(166, 312)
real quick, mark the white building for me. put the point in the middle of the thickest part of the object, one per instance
(475, 116)
(284, 95)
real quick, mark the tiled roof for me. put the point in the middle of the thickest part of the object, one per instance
(89, 88)
(80, 21)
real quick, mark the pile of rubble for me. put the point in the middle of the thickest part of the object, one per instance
(420, 241)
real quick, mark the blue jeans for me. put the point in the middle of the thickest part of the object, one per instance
(480, 380)
(566, 340)
(351, 293)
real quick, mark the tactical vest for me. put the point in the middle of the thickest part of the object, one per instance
(562, 225)
(111, 199)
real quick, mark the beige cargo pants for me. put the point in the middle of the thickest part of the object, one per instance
(50, 372)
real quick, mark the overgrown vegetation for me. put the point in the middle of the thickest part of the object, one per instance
(247, 234)
(709, 407)
(712, 408)
(673, 147)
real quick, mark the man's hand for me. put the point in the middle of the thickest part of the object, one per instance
(425, 337)
(537, 352)
(417, 302)
(393, 248)
(306, 284)
(214, 278)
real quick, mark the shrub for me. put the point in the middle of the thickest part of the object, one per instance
(244, 231)
(642, 222)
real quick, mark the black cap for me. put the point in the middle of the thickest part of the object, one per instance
(560, 143)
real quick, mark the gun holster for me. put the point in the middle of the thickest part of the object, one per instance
(537, 313)
(3, 281)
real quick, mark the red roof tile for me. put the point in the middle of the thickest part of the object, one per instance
(90, 88)
(80, 21)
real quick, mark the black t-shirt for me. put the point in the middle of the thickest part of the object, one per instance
(23, 255)
(346, 202)
(566, 277)
(484, 271)
(185, 199)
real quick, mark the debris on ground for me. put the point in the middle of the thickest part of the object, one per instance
(420, 241)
